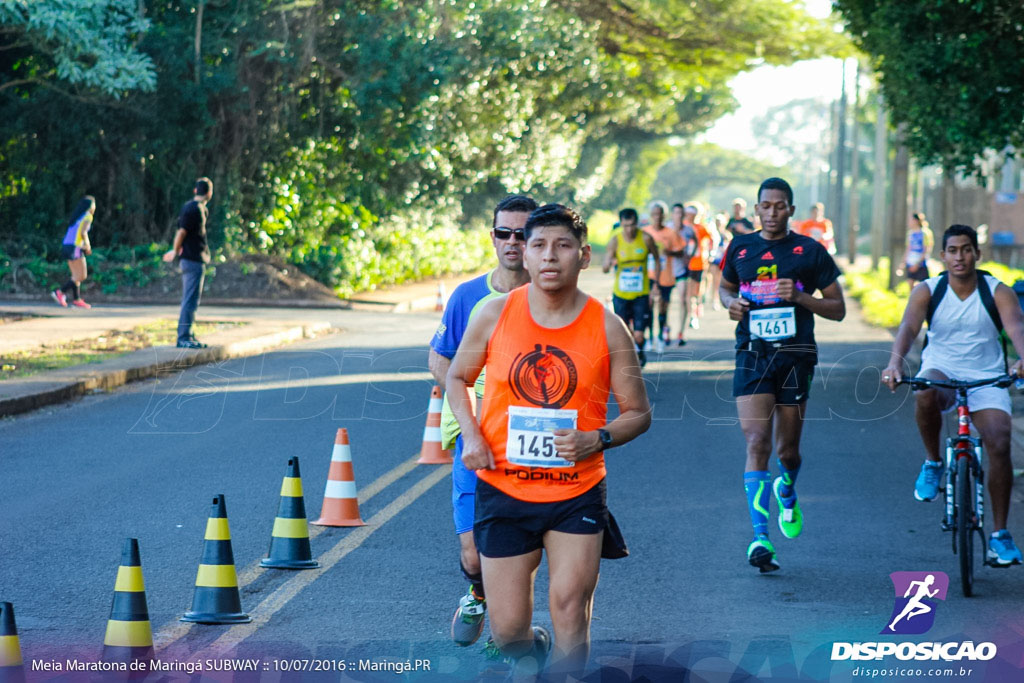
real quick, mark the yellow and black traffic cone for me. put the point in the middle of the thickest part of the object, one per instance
(216, 600)
(11, 669)
(129, 636)
(289, 541)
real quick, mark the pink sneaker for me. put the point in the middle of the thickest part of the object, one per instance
(59, 297)
(80, 303)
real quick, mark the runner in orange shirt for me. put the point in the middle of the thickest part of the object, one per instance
(670, 249)
(819, 228)
(552, 356)
(698, 248)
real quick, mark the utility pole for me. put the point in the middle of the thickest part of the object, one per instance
(837, 210)
(854, 222)
(197, 55)
(878, 184)
(830, 189)
(898, 223)
(948, 192)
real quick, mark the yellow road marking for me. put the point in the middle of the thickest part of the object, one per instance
(175, 631)
(274, 602)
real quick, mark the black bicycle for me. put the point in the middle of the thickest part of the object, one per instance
(965, 476)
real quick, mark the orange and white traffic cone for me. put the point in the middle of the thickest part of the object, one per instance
(439, 303)
(341, 504)
(431, 453)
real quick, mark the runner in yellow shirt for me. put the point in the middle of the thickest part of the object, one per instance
(627, 253)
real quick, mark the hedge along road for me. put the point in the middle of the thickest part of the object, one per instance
(145, 461)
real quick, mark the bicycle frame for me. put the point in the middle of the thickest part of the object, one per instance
(963, 445)
(961, 517)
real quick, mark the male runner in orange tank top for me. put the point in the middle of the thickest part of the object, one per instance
(552, 354)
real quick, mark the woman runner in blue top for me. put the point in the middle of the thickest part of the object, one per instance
(75, 248)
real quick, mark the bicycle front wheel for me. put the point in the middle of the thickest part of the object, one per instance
(965, 523)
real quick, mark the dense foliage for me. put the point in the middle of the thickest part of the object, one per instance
(712, 174)
(339, 133)
(884, 307)
(950, 70)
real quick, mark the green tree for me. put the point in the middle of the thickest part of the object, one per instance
(341, 134)
(90, 43)
(711, 37)
(711, 174)
(950, 70)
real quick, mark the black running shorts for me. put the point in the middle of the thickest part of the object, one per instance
(786, 375)
(919, 275)
(636, 313)
(507, 527)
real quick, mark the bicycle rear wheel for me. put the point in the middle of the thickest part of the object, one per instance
(965, 523)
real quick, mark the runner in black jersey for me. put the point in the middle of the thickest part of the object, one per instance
(768, 281)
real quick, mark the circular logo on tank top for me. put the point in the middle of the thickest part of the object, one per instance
(545, 377)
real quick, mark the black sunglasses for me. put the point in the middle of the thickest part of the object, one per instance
(506, 233)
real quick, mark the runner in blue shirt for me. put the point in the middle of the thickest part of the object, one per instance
(920, 241)
(509, 242)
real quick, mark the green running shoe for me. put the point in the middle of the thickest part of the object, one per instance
(532, 663)
(497, 666)
(761, 554)
(791, 520)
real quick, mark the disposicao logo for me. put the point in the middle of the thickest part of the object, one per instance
(917, 596)
(913, 613)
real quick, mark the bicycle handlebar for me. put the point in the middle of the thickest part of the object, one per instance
(917, 383)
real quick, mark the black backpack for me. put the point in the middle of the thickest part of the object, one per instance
(987, 300)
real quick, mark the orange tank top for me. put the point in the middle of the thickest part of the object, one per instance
(537, 379)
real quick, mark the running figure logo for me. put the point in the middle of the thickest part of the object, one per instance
(545, 377)
(917, 595)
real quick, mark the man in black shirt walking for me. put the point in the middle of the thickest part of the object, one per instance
(739, 224)
(190, 245)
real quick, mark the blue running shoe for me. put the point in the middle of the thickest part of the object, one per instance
(929, 482)
(1002, 551)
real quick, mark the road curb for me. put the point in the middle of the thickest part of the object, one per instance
(208, 301)
(58, 386)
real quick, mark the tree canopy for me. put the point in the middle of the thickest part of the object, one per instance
(712, 174)
(950, 71)
(83, 42)
(331, 128)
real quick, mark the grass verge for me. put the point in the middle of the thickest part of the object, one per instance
(884, 308)
(98, 349)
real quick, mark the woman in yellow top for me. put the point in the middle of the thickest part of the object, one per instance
(627, 252)
(75, 248)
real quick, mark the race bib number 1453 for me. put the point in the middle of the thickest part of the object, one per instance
(531, 439)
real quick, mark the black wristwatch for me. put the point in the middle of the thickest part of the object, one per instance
(606, 438)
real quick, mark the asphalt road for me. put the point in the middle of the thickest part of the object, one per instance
(145, 461)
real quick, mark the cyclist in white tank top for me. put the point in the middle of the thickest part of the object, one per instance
(963, 343)
(964, 329)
